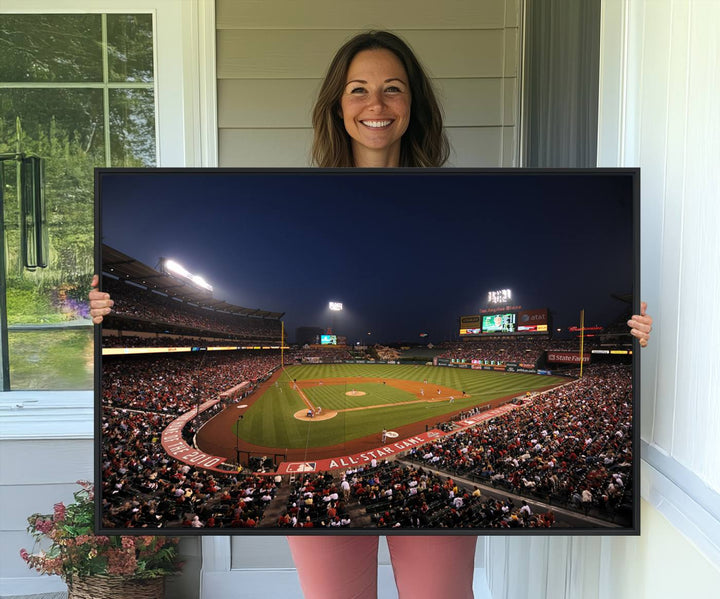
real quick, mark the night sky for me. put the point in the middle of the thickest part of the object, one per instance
(406, 252)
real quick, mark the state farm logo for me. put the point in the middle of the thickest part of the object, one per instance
(532, 317)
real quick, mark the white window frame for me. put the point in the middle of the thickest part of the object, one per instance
(186, 135)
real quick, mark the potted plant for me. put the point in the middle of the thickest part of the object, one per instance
(95, 566)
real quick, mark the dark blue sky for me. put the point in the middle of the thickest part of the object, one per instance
(406, 252)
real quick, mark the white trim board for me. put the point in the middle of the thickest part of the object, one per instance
(36, 415)
(680, 495)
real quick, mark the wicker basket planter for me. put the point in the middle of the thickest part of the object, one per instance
(116, 587)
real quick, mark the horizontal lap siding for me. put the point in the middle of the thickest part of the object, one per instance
(349, 14)
(287, 103)
(36, 474)
(307, 53)
(271, 58)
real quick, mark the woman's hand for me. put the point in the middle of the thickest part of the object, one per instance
(641, 325)
(100, 302)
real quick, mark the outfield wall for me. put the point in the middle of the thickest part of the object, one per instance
(506, 367)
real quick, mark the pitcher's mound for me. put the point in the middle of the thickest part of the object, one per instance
(302, 415)
(355, 393)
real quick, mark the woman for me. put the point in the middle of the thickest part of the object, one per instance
(377, 108)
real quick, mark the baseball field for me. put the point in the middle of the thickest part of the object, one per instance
(357, 401)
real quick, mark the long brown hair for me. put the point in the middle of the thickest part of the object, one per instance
(423, 144)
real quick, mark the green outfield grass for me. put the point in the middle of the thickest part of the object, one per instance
(270, 421)
(332, 397)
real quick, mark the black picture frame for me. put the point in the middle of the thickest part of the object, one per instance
(529, 214)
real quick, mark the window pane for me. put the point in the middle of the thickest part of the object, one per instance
(50, 48)
(65, 127)
(130, 48)
(53, 121)
(53, 360)
(132, 127)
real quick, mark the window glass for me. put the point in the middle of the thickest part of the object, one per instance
(54, 360)
(58, 101)
(37, 48)
(132, 127)
(130, 48)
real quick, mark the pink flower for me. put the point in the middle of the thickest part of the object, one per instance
(59, 509)
(128, 542)
(24, 555)
(53, 565)
(121, 562)
(44, 526)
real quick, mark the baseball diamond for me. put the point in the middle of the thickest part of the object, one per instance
(395, 397)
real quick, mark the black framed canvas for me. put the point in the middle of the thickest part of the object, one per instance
(358, 351)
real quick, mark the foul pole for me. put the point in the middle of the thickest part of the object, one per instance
(582, 339)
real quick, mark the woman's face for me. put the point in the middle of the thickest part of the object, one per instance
(375, 106)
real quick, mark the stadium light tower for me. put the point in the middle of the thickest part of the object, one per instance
(178, 270)
(500, 296)
(335, 308)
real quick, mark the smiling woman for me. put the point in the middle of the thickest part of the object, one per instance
(362, 116)
(375, 107)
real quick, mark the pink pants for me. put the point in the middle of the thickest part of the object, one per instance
(346, 567)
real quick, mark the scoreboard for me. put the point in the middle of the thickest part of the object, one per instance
(522, 322)
(498, 323)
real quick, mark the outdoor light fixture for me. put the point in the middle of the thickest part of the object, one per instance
(500, 296)
(181, 271)
(335, 306)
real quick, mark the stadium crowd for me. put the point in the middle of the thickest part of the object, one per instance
(316, 355)
(571, 445)
(174, 384)
(522, 350)
(386, 353)
(133, 303)
(397, 495)
(317, 500)
(164, 341)
(142, 487)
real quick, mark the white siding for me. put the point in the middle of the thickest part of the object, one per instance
(35, 476)
(669, 124)
(271, 58)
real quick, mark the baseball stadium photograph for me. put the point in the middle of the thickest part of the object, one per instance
(304, 351)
